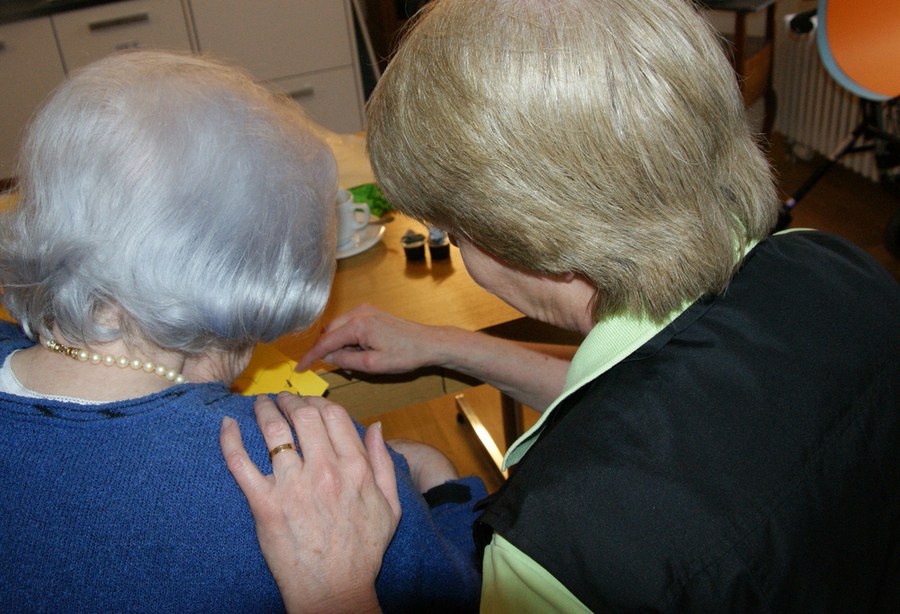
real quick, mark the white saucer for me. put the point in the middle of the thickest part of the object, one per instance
(362, 239)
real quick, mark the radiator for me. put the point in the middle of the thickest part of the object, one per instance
(815, 114)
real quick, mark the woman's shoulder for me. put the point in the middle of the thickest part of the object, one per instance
(12, 332)
(12, 338)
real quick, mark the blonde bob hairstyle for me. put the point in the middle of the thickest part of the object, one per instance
(168, 198)
(605, 138)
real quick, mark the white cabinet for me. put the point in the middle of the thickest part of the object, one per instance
(329, 97)
(89, 34)
(305, 48)
(29, 69)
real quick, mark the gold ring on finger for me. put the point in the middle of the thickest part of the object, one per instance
(281, 448)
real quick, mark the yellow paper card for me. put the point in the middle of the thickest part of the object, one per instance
(271, 372)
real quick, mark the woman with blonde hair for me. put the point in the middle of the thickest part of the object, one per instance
(726, 437)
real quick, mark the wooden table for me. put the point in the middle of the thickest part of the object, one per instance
(430, 292)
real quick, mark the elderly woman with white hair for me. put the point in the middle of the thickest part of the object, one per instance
(172, 213)
(727, 436)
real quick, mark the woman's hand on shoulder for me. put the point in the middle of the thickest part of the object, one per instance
(323, 520)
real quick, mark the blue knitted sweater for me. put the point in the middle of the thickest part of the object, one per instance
(128, 506)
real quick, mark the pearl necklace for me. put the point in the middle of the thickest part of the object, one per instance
(109, 360)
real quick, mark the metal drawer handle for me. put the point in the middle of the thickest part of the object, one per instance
(118, 21)
(303, 92)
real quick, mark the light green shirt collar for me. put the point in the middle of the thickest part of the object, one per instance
(609, 342)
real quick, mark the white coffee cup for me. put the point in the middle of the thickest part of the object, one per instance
(351, 216)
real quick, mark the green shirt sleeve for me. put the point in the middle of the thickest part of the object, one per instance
(513, 582)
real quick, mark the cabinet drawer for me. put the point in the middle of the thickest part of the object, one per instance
(275, 38)
(29, 69)
(88, 34)
(329, 97)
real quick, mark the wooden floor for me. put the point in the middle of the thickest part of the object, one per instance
(842, 202)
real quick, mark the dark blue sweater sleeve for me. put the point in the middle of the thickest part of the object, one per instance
(431, 563)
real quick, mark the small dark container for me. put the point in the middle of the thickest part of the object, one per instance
(438, 244)
(413, 246)
(439, 251)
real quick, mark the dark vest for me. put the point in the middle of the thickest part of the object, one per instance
(747, 458)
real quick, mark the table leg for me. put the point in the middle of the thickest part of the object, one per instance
(468, 414)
